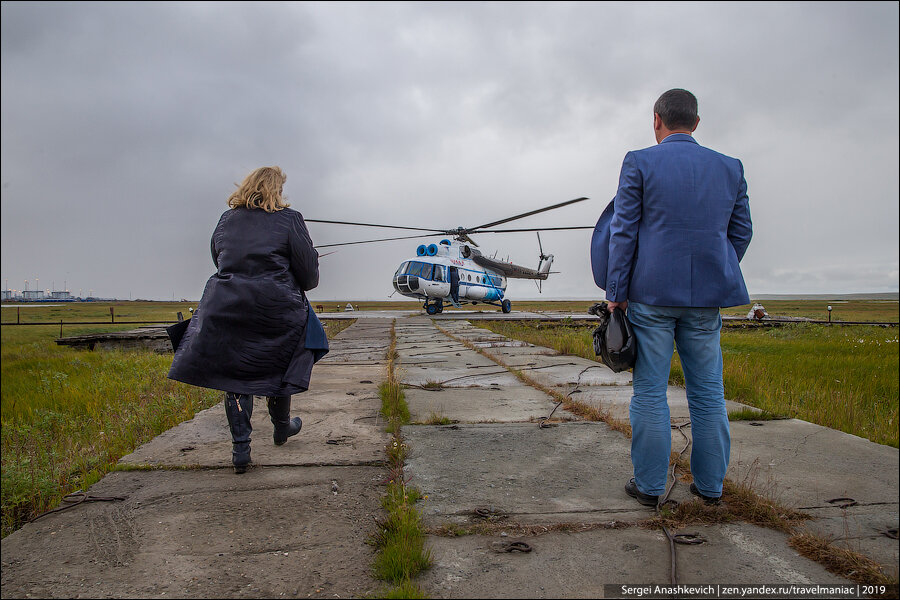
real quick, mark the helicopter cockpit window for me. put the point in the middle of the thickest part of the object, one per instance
(438, 273)
(418, 269)
(401, 269)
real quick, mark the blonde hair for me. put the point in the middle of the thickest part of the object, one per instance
(260, 189)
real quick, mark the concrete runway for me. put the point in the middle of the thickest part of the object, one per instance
(296, 524)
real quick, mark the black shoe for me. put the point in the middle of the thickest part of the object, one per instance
(645, 499)
(239, 409)
(280, 413)
(708, 500)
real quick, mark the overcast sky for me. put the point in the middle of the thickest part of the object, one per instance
(126, 125)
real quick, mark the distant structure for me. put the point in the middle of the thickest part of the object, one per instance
(38, 296)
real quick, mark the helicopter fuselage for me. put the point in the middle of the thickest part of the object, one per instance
(439, 268)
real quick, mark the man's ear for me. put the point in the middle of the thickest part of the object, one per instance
(694, 128)
(657, 122)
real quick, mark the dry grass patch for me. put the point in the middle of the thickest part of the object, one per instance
(840, 561)
(585, 411)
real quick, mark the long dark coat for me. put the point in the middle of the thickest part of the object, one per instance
(247, 334)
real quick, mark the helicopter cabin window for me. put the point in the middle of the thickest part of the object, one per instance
(469, 276)
(438, 273)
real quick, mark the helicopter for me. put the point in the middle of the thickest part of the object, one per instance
(455, 271)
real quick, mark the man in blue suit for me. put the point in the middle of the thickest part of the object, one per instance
(667, 251)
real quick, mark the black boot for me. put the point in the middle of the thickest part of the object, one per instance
(280, 412)
(239, 408)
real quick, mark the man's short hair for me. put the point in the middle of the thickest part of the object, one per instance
(677, 108)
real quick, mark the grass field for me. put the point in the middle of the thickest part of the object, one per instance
(881, 311)
(68, 415)
(843, 377)
(843, 309)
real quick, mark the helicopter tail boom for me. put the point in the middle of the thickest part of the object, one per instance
(510, 270)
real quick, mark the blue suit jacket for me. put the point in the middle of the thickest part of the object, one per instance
(677, 229)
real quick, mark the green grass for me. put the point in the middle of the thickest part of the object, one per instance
(842, 377)
(393, 405)
(751, 414)
(881, 311)
(94, 311)
(845, 378)
(68, 415)
(399, 537)
(333, 327)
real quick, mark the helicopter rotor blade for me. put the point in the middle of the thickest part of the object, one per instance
(406, 237)
(436, 231)
(540, 247)
(528, 214)
(535, 229)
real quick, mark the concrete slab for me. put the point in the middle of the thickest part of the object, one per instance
(571, 472)
(805, 465)
(560, 565)
(368, 314)
(861, 528)
(617, 398)
(477, 405)
(567, 370)
(495, 314)
(269, 533)
(366, 341)
(742, 554)
(455, 367)
(579, 565)
(341, 426)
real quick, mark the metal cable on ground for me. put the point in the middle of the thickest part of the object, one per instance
(568, 396)
(684, 538)
(74, 499)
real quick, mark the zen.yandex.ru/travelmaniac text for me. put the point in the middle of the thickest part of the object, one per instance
(748, 591)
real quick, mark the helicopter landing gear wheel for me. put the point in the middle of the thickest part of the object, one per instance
(433, 308)
(506, 306)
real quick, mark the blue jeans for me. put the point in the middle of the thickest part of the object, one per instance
(695, 333)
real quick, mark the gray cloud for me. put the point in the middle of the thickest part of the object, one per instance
(125, 126)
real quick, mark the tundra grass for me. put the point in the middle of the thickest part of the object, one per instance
(399, 538)
(845, 378)
(333, 327)
(68, 415)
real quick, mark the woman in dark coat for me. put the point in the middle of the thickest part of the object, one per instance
(248, 335)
